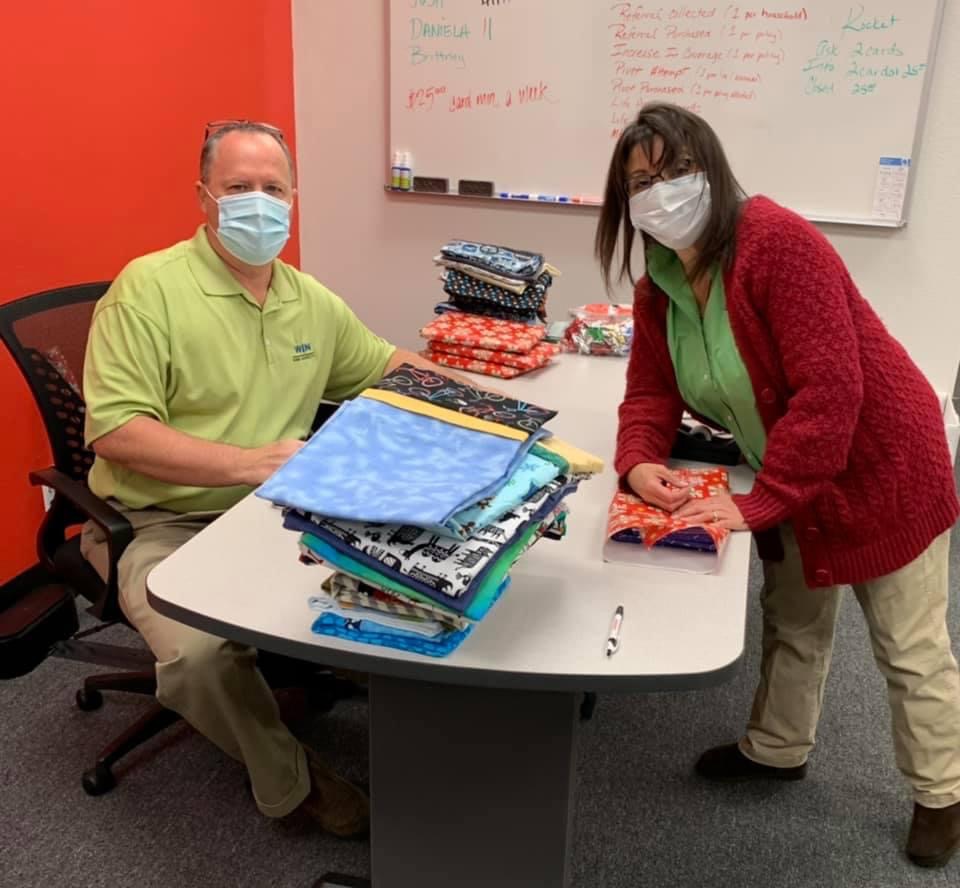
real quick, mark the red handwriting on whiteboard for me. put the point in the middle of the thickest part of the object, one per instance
(423, 99)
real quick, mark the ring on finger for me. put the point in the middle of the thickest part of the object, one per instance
(716, 517)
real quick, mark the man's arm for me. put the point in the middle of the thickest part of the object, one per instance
(151, 448)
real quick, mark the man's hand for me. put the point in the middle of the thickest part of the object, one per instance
(720, 511)
(657, 485)
(259, 463)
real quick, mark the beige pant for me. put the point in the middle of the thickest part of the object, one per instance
(906, 614)
(213, 683)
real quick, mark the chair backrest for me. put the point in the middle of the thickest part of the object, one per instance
(47, 336)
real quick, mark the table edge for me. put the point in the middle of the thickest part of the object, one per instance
(440, 671)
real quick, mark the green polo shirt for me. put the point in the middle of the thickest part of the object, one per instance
(178, 339)
(710, 372)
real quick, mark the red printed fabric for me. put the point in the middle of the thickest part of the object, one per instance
(487, 368)
(476, 331)
(536, 357)
(630, 513)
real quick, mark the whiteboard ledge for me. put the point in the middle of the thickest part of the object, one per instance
(839, 220)
(496, 199)
(810, 217)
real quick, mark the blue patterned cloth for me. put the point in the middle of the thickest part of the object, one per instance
(368, 631)
(531, 475)
(374, 462)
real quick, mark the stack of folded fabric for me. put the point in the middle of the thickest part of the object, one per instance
(486, 345)
(503, 292)
(635, 527)
(421, 494)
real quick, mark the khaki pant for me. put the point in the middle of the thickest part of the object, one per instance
(213, 683)
(906, 615)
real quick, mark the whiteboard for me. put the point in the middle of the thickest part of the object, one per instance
(819, 105)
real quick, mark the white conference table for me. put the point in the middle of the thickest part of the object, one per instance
(472, 756)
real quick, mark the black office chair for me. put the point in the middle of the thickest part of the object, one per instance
(47, 336)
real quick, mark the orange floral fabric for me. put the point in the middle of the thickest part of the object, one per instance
(476, 331)
(628, 512)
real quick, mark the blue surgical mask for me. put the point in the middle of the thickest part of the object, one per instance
(253, 226)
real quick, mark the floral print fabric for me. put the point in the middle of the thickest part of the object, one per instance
(630, 519)
(482, 332)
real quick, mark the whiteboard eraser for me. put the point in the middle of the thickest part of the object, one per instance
(475, 188)
(431, 185)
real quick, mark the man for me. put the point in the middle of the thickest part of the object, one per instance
(205, 365)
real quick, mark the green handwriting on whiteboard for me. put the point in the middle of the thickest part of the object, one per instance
(858, 21)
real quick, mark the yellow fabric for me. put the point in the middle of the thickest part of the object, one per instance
(445, 414)
(581, 462)
(178, 339)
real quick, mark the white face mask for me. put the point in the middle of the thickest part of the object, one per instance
(674, 212)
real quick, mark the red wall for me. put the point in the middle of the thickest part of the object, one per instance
(103, 106)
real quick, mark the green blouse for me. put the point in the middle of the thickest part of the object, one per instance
(710, 372)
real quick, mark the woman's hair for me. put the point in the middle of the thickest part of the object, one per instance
(684, 134)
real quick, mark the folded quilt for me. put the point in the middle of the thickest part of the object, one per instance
(474, 606)
(630, 519)
(498, 280)
(482, 332)
(462, 286)
(517, 264)
(488, 310)
(373, 462)
(437, 563)
(366, 631)
(348, 591)
(536, 357)
(487, 368)
(441, 391)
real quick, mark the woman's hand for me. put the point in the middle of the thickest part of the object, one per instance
(657, 485)
(720, 511)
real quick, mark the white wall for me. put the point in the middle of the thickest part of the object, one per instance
(375, 249)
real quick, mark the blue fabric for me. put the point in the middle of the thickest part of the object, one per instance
(341, 555)
(374, 462)
(368, 632)
(532, 474)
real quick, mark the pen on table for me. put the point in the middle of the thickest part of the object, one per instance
(613, 639)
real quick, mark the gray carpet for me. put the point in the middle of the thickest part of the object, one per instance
(181, 815)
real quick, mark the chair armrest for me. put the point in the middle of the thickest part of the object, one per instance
(116, 528)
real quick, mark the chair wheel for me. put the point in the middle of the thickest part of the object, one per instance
(88, 700)
(98, 780)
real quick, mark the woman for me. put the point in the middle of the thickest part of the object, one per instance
(748, 317)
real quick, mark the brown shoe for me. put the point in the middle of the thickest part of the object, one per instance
(934, 835)
(337, 805)
(728, 764)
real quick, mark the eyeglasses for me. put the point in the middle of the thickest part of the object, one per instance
(642, 181)
(216, 125)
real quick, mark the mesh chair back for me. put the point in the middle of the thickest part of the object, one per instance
(47, 336)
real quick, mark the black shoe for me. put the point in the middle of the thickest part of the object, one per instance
(728, 764)
(934, 835)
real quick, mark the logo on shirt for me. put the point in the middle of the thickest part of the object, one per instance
(302, 351)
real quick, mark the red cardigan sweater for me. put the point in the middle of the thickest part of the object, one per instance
(856, 452)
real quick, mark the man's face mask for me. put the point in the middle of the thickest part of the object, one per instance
(253, 226)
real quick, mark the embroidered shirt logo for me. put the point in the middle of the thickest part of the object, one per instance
(302, 351)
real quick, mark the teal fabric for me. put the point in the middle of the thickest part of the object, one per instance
(483, 600)
(532, 474)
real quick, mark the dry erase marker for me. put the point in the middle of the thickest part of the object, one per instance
(613, 639)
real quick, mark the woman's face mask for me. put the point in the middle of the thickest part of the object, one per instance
(674, 212)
